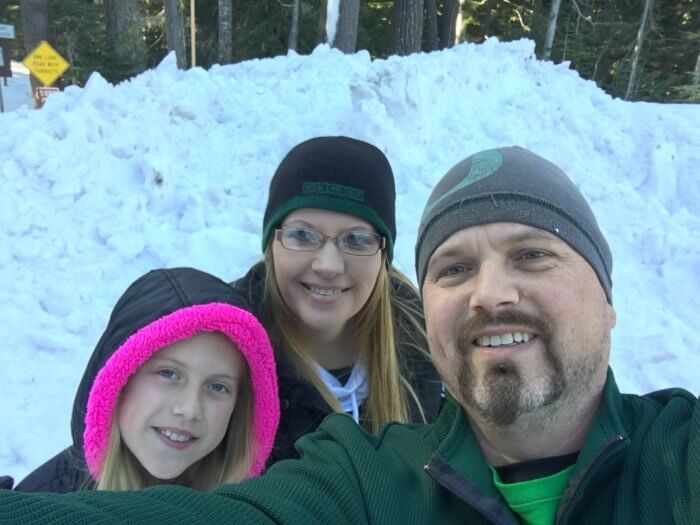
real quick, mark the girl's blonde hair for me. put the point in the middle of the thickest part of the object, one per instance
(385, 318)
(229, 462)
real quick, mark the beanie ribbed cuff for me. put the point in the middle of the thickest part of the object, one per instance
(508, 207)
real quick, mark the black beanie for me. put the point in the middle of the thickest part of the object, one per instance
(338, 174)
(512, 185)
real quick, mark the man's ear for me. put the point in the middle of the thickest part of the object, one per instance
(611, 316)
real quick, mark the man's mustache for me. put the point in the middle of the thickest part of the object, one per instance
(482, 320)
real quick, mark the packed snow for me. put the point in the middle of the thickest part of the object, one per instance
(171, 168)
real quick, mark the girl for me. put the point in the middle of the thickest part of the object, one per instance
(181, 389)
(347, 326)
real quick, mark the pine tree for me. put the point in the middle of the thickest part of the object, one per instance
(125, 41)
(407, 26)
(175, 31)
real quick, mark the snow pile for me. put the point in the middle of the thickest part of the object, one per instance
(172, 167)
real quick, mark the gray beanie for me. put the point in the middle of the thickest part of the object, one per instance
(512, 185)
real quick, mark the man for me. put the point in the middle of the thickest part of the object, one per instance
(516, 281)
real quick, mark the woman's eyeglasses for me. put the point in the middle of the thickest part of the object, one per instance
(308, 240)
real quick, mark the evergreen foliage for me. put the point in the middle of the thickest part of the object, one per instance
(596, 37)
(77, 31)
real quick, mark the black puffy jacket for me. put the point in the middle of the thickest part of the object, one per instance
(302, 407)
(151, 297)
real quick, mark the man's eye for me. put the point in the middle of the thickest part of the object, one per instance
(456, 269)
(532, 255)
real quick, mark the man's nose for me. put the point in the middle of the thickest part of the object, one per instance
(493, 288)
(328, 260)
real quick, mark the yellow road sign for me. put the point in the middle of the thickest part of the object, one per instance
(45, 63)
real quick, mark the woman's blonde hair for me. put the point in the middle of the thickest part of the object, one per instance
(385, 318)
(229, 462)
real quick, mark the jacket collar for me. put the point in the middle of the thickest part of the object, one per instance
(459, 465)
(606, 427)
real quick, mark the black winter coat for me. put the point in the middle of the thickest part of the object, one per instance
(302, 407)
(151, 297)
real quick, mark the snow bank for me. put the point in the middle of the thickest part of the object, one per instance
(172, 167)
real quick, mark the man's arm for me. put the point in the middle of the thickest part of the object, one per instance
(319, 488)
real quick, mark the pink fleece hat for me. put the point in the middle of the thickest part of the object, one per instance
(238, 325)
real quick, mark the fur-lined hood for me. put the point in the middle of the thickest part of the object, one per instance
(157, 310)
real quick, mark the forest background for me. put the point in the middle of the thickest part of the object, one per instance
(633, 49)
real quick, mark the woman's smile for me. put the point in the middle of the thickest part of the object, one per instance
(324, 294)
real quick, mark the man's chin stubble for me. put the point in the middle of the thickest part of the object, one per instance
(501, 396)
(495, 396)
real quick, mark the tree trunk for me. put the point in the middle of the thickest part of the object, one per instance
(125, 42)
(696, 73)
(447, 24)
(407, 26)
(175, 31)
(35, 27)
(35, 22)
(459, 27)
(293, 42)
(225, 43)
(488, 18)
(322, 15)
(551, 29)
(537, 26)
(641, 35)
(346, 29)
(431, 25)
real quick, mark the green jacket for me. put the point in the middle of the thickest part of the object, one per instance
(640, 464)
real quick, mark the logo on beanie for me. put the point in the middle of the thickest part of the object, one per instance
(336, 190)
(482, 165)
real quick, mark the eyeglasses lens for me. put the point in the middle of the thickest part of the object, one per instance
(352, 243)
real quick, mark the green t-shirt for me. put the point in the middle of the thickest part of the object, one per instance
(535, 501)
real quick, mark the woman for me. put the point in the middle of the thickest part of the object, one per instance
(181, 389)
(347, 327)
